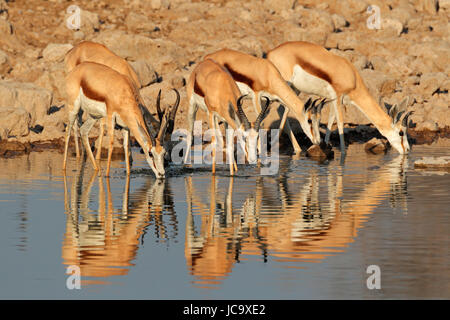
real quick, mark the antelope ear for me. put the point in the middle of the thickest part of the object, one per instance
(404, 104)
(392, 111)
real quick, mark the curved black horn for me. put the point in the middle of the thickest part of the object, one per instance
(313, 105)
(262, 114)
(322, 103)
(406, 117)
(147, 122)
(163, 127)
(158, 106)
(173, 111)
(242, 117)
(398, 116)
(307, 105)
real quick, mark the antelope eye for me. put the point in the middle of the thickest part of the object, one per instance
(309, 121)
(401, 133)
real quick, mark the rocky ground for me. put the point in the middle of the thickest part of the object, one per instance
(163, 39)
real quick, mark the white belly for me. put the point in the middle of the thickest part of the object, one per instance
(94, 108)
(245, 89)
(199, 102)
(310, 84)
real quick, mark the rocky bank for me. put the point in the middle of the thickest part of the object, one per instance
(163, 39)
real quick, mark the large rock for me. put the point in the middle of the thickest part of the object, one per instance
(339, 21)
(55, 52)
(4, 14)
(32, 98)
(432, 56)
(5, 65)
(159, 4)
(432, 82)
(279, 5)
(5, 27)
(14, 122)
(53, 79)
(343, 40)
(378, 83)
(145, 72)
(350, 8)
(138, 22)
(444, 5)
(134, 47)
(314, 20)
(428, 6)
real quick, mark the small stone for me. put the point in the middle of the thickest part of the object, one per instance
(320, 152)
(376, 146)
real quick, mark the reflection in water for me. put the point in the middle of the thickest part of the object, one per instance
(104, 242)
(288, 219)
(308, 232)
(303, 220)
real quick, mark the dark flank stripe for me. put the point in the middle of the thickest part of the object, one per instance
(198, 90)
(238, 77)
(313, 70)
(90, 92)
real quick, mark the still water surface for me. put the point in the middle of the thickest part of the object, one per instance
(309, 232)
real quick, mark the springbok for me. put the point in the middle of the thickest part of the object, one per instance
(211, 88)
(88, 51)
(312, 69)
(102, 92)
(258, 77)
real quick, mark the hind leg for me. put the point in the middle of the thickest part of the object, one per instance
(72, 121)
(110, 129)
(84, 131)
(99, 143)
(126, 148)
(286, 127)
(191, 118)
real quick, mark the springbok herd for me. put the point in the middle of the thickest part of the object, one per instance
(105, 87)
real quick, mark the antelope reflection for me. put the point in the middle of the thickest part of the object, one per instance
(104, 243)
(281, 220)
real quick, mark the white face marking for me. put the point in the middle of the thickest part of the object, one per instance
(311, 84)
(94, 108)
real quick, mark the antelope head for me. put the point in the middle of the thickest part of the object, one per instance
(397, 135)
(308, 122)
(312, 111)
(251, 130)
(159, 149)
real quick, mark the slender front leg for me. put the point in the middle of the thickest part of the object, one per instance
(72, 119)
(75, 138)
(126, 148)
(213, 142)
(340, 122)
(191, 118)
(110, 129)
(331, 118)
(85, 129)
(287, 129)
(230, 151)
(100, 139)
